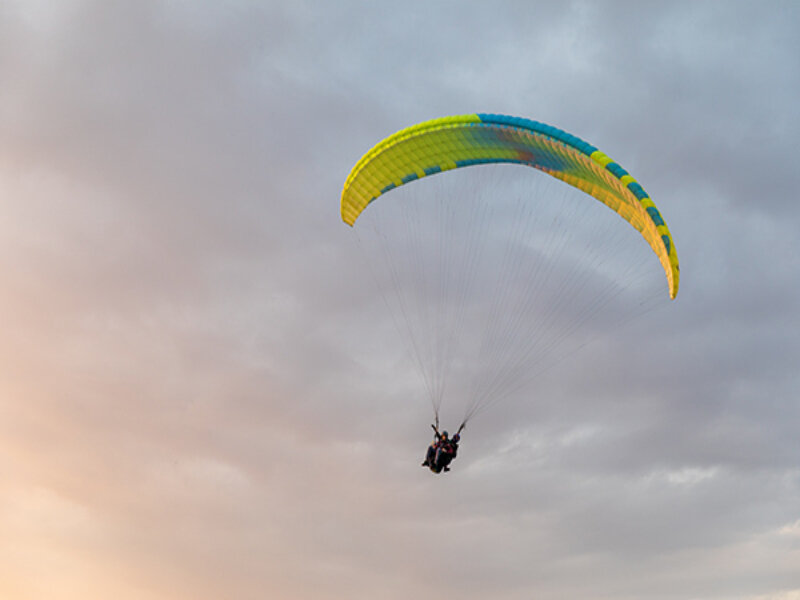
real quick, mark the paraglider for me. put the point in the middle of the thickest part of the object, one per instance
(442, 451)
(494, 323)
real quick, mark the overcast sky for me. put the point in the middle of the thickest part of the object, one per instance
(196, 399)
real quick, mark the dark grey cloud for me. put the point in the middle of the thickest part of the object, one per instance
(202, 394)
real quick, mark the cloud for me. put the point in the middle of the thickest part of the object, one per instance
(200, 395)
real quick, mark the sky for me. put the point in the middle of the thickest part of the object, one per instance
(198, 394)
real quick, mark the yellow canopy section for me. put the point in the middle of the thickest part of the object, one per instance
(464, 140)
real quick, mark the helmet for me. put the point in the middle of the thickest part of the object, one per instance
(457, 437)
(444, 434)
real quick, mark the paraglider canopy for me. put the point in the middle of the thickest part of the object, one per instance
(465, 140)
